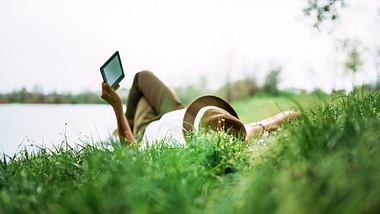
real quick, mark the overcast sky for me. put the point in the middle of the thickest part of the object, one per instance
(60, 44)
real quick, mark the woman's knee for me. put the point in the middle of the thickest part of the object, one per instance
(146, 78)
(143, 74)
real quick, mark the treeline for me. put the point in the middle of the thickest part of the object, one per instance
(234, 90)
(230, 91)
(25, 96)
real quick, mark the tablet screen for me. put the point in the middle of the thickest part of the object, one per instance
(112, 70)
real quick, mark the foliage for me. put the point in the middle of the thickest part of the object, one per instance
(323, 10)
(354, 61)
(239, 89)
(25, 96)
(272, 80)
(325, 162)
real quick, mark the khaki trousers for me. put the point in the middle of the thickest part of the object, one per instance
(148, 99)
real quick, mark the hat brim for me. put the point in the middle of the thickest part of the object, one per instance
(198, 104)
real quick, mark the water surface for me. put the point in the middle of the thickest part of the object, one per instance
(49, 124)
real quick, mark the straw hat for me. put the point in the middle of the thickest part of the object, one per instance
(223, 118)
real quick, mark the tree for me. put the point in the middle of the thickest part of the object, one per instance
(320, 11)
(272, 79)
(353, 62)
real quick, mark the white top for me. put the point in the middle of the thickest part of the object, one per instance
(169, 128)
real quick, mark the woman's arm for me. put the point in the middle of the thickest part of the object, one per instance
(109, 95)
(270, 124)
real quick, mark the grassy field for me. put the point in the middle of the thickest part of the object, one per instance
(263, 105)
(327, 161)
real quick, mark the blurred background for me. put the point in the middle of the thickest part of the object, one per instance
(51, 51)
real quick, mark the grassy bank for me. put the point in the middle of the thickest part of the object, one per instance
(326, 161)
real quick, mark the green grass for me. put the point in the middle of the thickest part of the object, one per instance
(326, 161)
(265, 105)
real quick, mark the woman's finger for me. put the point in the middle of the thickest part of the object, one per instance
(104, 88)
(107, 87)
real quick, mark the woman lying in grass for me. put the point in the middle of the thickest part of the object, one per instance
(155, 113)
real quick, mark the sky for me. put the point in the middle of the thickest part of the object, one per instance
(59, 45)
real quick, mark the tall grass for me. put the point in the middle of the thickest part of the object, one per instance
(326, 161)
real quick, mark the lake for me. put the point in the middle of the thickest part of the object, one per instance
(48, 124)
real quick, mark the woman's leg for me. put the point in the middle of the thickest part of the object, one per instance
(157, 94)
(269, 124)
(143, 116)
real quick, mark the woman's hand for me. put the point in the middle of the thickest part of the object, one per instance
(110, 95)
